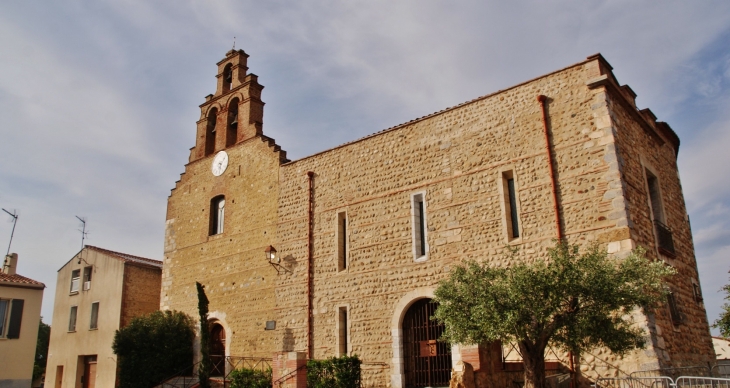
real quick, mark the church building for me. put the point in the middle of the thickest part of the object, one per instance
(339, 253)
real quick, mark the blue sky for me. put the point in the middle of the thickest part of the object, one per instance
(99, 99)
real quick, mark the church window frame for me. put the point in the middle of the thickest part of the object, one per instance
(342, 243)
(217, 215)
(419, 226)
(510, 205)
(344, 323)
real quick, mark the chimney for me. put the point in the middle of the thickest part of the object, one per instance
(11, 264)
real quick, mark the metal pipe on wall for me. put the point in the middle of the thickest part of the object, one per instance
(543, 105)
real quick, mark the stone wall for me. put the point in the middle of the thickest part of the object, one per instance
(140, 292)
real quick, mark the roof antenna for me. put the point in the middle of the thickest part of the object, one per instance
(83, 230)
(234, 43)
(15, 216)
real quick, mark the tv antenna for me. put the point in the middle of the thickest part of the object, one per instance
(15, 216)
(83, 230)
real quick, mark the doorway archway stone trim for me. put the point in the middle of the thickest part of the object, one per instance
(397, 378)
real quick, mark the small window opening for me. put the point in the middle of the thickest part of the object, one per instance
(93, 324)
(210, 132)
(87, 278)
(11, 318)
(674, 309)
(227, 77)
(420, 247)
(217, 214)
(344, 340)
(342, 241)
(510, 205)
(655, 197)
(697, 292)
(75, 278)
(232, 132)
(72, 318)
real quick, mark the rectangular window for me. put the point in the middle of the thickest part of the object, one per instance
(673, 309)
(655, 197)
(72, 319)
(87, 278)
(16, 318)
(217, 214)
(697, 292)
(418, 208)
(344, 340)
(342, 241)
(75, 275)
(4, 312)
(510, 205)
(94, 316)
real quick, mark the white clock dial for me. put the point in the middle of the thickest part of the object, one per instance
(220, 163)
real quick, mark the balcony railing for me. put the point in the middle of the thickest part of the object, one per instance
(664, 238)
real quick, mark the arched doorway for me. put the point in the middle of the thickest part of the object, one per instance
(426, 361)
(217, 350)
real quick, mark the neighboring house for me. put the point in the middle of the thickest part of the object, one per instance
(98, 291)
(20, 315)
(366, 230)
(722, 349)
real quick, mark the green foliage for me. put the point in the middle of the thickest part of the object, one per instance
(574, 301)
(335, 372)
(153, 347)
(205, 364)
(41, 349)
(723, 323)
(250, 378)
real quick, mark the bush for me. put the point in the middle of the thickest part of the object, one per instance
(153, 347)
(250, 378)
(335, 372)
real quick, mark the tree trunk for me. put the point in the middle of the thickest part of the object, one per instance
(534, 359)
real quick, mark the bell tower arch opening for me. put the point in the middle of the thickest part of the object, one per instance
(210, 131)
(232, 123)
(227, 77)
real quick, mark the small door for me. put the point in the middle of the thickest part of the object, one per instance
(59, 376)
(89, 372)
(426, 361)
(217, 350)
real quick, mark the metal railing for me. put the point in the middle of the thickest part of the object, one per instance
(221, 368)
(674, 373)
(281, 380)
(558, 381)
(721, 370)
(664, 238)
(663, 382)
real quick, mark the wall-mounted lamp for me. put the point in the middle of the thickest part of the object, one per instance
(273, 259)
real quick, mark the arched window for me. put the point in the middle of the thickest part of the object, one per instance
(217, 214)
(232, 126)
(210, 132)
(227, 77)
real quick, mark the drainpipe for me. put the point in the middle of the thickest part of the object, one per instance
(310, 267)
(558, 230)
(543, 104)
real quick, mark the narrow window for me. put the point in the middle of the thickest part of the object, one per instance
(342, 241)
(655, 197)
(217, 214)
(227, 77)
(75, 275)
(510, 205)
(4, 309)
(232, 131)
(418, 208)
(72, 319)
(16, 318)
(94, 316)
(697, 292)
(87, 278)
(673, 309)
(344, 340)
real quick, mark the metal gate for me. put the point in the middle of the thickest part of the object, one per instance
(427, 362)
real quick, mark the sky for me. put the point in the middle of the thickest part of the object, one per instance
(99, 99)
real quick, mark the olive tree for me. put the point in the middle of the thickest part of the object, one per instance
(575, 301)
(723, 323)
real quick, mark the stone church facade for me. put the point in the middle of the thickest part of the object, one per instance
(364, 232)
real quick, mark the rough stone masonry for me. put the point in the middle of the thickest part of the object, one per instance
(365, 230)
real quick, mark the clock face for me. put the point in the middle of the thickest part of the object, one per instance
(220, 163)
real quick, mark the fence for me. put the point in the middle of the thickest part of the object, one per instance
(721, 370)
(674, 373)
(663, 382)
(221, 368)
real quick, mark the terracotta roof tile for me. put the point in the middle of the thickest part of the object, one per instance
(127, 258)
(18, 279)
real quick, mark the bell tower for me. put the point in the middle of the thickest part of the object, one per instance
(234, 113)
